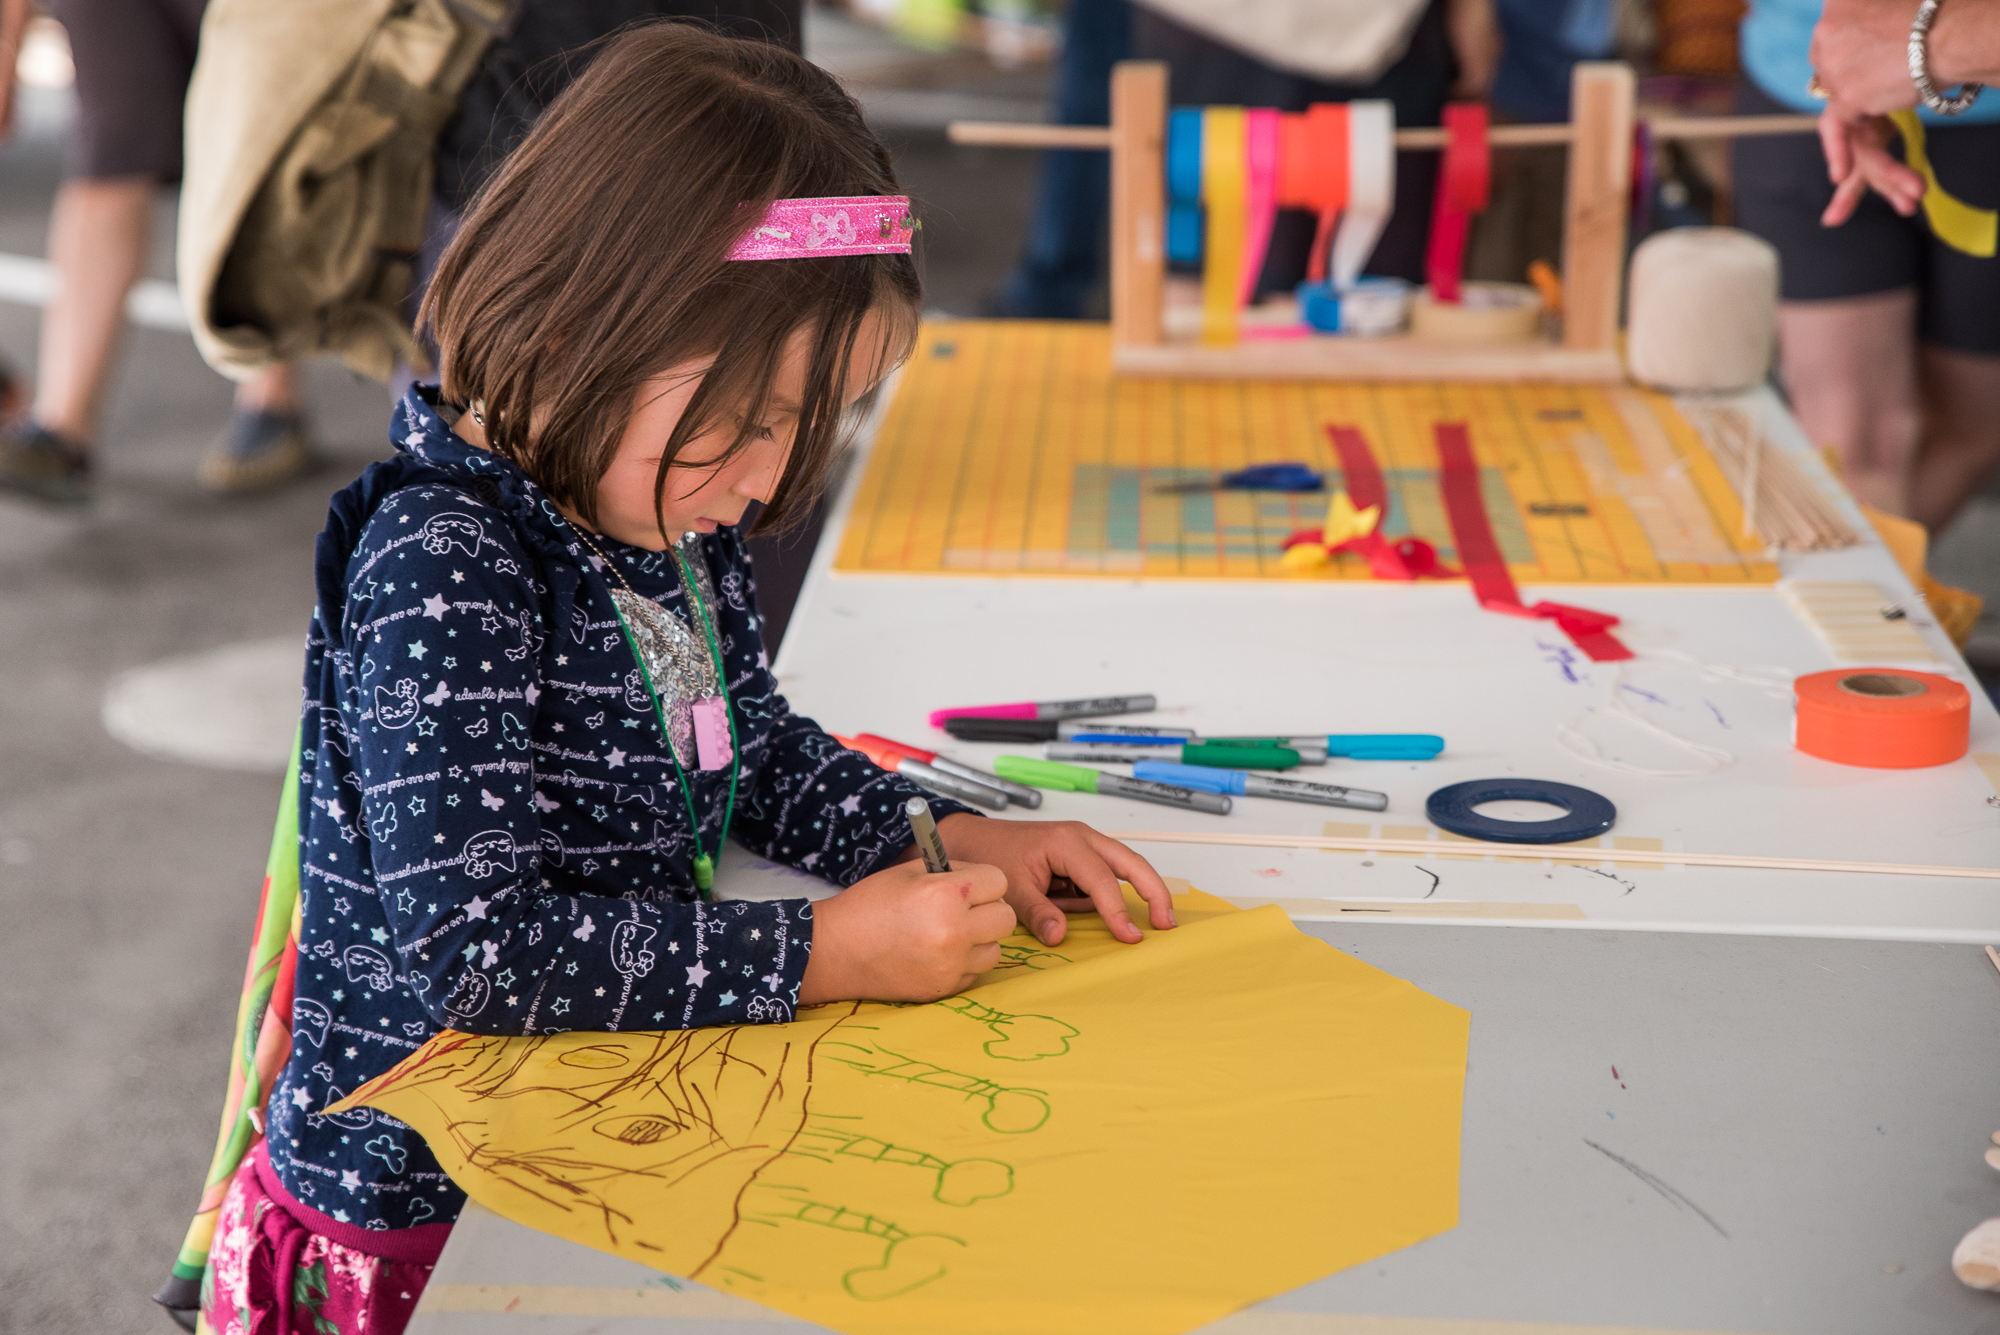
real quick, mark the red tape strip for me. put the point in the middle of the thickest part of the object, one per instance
(1465, 181)
(1361, 476)
(1492, 583)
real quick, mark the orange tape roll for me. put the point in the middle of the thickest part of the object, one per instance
(1882, 718)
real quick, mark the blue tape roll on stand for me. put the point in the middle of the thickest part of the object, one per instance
(1588, 814)
(1184, 185)
(1184, 155)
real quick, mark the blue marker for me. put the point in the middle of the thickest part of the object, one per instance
(1258, 785)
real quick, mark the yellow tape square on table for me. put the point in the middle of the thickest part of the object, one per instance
(1011, 449)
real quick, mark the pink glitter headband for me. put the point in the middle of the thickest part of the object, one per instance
(794, 229)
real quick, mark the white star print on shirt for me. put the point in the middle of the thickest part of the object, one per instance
(300, 1099)
(434, 607)
(615, 759)
(476, 907)
(697, 974)
(351, 1180)
(851, 803)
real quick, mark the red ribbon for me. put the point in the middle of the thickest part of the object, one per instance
(1465, 180)
(1492, 584)
(1404, 560)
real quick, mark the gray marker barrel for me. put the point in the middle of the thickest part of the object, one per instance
(950, 785)
(1107, 704)
(1106, 753)
(925, 831)
(1071, 727)
(1325, 794)
(1018, 793)
(1166, 794)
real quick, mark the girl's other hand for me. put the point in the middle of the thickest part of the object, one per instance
(906, 934)
(1033, 854)
(1858, 160)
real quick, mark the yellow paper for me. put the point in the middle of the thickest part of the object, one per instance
(1097, 1138)
(1305, 556)
(1344, 523)
(1955, 222)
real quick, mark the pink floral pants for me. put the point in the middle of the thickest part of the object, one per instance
(279, 1267)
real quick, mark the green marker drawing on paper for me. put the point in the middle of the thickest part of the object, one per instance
(1009, 1111)
(1022, 1038)
(962, 1183)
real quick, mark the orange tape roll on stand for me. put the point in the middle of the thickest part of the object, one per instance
(1882, 718)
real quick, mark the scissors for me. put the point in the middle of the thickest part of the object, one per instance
(1287, 476)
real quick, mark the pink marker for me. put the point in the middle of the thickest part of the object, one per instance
(1052, 709)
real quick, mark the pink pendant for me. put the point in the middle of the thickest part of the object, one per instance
(711, 733)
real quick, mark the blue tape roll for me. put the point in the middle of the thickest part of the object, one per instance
(1184, 233)
(1184, 155)
(1589, 814)
(1319, 306)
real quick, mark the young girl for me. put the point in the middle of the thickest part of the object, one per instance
(536, 702)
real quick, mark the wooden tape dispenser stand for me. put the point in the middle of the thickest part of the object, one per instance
(1597, 209)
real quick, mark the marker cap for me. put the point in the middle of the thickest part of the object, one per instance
(1239, 757)
(1000, 729)
(1046, 774)
(1190, 776)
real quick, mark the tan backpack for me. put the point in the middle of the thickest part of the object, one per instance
(310, 131)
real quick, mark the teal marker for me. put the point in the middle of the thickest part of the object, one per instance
(1076, 779)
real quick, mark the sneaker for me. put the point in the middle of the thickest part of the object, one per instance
(35, 461)
(257, 450)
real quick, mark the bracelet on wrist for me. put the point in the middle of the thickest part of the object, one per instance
(1920, 74)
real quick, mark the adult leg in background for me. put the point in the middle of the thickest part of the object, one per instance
(1958, 328)
(1961, 432)
(98, 233)
(1848, 310)
(1849, 367)
(1064, 255)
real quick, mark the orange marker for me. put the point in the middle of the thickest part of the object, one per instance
(1018, 793)
(925, 776)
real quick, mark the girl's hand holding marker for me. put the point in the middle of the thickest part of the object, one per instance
(910, 935)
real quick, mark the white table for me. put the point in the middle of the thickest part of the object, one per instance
(1822, 1104)
(1819, 1106)
(1253, 657)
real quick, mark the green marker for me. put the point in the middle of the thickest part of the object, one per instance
(1076, 779)
(1188, 753)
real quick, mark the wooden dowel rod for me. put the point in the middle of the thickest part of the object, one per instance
(1003, 134)
(1727, 127)
(1554, 852)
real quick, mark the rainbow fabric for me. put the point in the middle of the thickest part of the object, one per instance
(263, 1036)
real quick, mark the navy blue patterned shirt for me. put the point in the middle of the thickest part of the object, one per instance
(493, 831)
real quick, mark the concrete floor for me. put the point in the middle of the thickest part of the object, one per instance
(127, 883)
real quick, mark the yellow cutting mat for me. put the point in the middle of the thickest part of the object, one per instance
(1010, 450)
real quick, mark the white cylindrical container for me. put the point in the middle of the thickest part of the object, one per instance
(1703, 309)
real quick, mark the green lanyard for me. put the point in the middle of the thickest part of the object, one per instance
(704, 865)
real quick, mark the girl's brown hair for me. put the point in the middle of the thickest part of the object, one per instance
(594, 260)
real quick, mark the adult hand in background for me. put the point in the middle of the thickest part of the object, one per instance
(14, 16)
(1858, 160)
(1037, 856)
(1860, 51)
(1474, 32)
